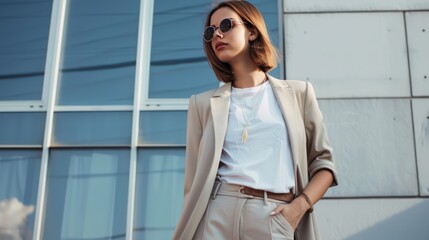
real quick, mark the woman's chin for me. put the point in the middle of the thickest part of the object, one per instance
(223, 58)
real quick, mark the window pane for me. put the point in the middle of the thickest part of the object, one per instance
(19, 180)
(24, 30)
(160, 175)
(163, 127)
(22, 128)
(178, 65)
(99, 53)
(92, 128)
(87, 194)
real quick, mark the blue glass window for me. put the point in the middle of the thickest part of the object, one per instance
(92, 128)
(87, 193)
(22, 128)
(159, 192)
(163, 127)
(24, 31)
(19, 180)
(99, 53)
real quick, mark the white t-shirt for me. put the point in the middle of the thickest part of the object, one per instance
(265, 160)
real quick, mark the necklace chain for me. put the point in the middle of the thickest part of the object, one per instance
(244, 135)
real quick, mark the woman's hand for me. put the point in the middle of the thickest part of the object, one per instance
(293, 211)
(315, 189)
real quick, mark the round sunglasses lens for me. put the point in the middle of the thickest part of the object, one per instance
(225, 26)
(208, 33)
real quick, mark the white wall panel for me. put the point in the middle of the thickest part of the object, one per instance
(421, 131)
(353, 5)
(363, 219)
(373, 147)
(418, 45)
(348, 54)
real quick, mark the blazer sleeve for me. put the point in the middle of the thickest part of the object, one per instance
(193, 137)
(319, 150)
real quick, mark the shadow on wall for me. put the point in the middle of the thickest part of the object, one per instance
(410, 224)
(13, 215)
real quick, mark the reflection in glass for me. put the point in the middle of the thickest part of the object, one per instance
(24, 31)
(87, 193)
(163, 127)
(19, 179)
(99, 53)
(159, 192)
(92, 128)
(22, 128)
(178, 66)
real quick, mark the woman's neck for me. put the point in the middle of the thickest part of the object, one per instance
(247, 75)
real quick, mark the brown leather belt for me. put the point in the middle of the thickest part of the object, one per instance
(285, 197)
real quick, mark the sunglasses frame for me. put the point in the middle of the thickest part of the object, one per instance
(232, 20)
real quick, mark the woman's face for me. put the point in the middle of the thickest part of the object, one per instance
(231, 46)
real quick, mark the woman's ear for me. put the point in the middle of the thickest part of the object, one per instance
(254, 34)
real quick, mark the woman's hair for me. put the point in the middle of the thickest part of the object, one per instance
(262, 51)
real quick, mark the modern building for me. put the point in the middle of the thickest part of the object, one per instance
(93, 100)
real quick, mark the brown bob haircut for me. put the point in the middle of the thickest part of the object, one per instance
(262, 51)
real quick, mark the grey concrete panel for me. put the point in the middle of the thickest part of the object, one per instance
(418, 46)
(348, 54)
(421, 133)
(353, 5)
(363, 219)
(373, 147)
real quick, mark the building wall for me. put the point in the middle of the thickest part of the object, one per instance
(369, 63)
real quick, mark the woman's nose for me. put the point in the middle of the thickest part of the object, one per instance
(218, 33)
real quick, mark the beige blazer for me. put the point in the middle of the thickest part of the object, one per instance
(206, 129)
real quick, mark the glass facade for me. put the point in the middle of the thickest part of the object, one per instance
(159, 192)
(24, 31)
(19, 179)
(99, 53)
(85, 194)
(22, 128)
(162, 127)
(92, 128)
(68, 166)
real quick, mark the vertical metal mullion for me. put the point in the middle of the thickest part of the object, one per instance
(141, 80)
(55, 41)
(145, 41)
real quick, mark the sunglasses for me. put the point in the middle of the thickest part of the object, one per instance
(224, 26)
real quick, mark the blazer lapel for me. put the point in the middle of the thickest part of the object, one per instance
(220, 109)
(285, 96)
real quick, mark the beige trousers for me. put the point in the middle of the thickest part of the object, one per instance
(232, 215)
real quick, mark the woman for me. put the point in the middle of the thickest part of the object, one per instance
(257, 156)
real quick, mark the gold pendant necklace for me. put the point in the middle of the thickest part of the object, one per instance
(245, 134)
